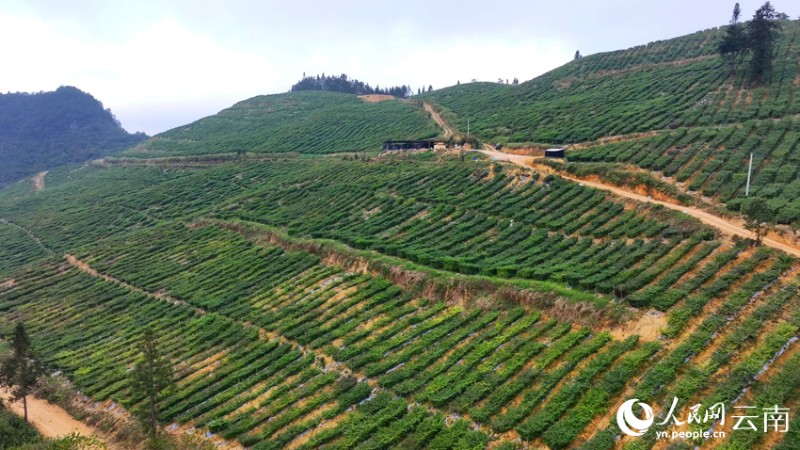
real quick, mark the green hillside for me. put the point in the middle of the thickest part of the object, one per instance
(680, 82)
(388, 294)
(429, 300)
(713, 161)
(668, 107)
(302, 122)
(48, 129)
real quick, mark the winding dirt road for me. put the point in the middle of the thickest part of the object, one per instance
(448, 132)
(723, 225)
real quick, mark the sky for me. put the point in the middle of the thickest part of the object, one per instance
(158, 64)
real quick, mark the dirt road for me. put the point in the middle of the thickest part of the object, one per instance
(38, 180)
(723, 225)
(51, 420)
(448, 132)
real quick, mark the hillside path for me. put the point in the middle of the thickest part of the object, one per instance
(448, 132)
(38, 180)
(723, 225)
(51, 420)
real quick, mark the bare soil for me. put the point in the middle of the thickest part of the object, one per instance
(614, 139)
(648, 326)
(376, 98)
(51, 420)
(38, 181)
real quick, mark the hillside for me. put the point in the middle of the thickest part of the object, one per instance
(668, 107)
(422, 300)
(676, 83)
(303, 122)
(397, 302)
(48, 129)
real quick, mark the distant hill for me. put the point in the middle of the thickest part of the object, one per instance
(311, 122)
(47, 129)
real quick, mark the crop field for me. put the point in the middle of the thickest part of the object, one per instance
(465, 222)
(677, 83)
(713, 161)
(471, 218)
(271, 344)
(275, 346)
(18, 248)
(309, 297)
(302, 122)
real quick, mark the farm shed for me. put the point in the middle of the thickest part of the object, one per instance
(409, 145)
(554, 153)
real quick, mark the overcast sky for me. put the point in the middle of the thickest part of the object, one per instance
(162, 63)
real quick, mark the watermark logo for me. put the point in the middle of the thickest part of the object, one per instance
(629, 423)
(701, 420)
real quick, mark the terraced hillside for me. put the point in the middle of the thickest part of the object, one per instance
(402, 302)
(310, 300)
(676, 83)
(669, 107)
(713, 161)
(302, 122)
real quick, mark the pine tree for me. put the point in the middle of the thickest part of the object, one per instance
(151, 376)
(20, 372)
(762, 34)
(734, 44)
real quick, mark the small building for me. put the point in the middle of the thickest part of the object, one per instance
(421, 144)
(554, 153)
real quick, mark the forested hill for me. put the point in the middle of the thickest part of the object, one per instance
(47, 129)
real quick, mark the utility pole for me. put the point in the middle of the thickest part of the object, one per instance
(749, 172)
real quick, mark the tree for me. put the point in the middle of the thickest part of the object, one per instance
(578, 53)
(430, 88)
(516, 81)
(343, 83)
(762, 34)
(734, 45)
(151, 377)
(758, 216)
(20, 371)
